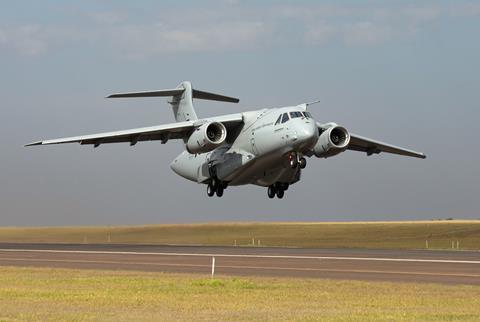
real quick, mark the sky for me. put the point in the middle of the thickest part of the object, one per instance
(404, 72)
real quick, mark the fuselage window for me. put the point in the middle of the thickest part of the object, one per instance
(279, 119)
(285, 117)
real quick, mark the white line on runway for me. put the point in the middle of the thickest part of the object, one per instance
(93, 252)
(328, 270)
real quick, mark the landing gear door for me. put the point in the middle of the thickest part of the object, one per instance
(203, 173)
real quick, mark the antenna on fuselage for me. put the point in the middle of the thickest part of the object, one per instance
(311, 103)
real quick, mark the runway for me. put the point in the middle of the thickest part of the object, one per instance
(456, 267)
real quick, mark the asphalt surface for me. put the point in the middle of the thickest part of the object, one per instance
(453, 267)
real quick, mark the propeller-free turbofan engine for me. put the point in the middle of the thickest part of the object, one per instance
(331, 141)
(206, 137)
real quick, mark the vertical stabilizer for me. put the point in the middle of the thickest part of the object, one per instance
(182, 104)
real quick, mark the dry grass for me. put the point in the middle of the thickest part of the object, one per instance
(402, 235)
(28, 294)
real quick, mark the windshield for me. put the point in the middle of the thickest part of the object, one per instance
(295, 114)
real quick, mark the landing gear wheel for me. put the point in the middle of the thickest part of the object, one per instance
(280, 192)
(219, 191)
(214, 184)
(271, 192)
(302, 163)
(210, 190)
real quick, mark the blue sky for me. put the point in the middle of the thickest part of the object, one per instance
(405, 72)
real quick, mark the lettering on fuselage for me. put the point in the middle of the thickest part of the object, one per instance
(262, 126)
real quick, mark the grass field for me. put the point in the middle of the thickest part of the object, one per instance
(30, 294)
(402, 235)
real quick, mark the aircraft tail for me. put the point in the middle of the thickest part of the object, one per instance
(182, 99)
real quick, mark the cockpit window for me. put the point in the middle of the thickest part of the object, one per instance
(279, 119)
(285, 117)
(307, 115)
(295, 114)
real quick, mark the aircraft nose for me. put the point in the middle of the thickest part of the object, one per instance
(308, 135)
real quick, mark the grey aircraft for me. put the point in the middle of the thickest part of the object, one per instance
(265, 147)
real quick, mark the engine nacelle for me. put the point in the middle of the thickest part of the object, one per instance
(206, 137)
(331, 141)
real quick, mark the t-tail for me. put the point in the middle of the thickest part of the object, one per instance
(182, 99)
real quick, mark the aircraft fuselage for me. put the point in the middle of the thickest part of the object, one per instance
(260, 153)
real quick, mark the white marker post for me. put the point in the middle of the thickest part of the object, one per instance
(213, 266)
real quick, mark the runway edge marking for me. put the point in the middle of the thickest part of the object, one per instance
(93, 252)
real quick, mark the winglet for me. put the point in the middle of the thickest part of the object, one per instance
(34, 143)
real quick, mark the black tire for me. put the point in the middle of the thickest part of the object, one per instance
(210, 190)
(302, 163)
(280, 193)
(271, 192)
(214, 184)
(219, 191)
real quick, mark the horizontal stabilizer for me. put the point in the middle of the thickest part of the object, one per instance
(158, 93)
(213, 97)
(178, 91)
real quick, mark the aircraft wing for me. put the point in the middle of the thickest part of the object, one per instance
(369, 146)
(160, 132)
(163, 133)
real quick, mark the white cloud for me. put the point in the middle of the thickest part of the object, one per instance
(319, 34)
(107, 17)
(140, 41)
(366, 33)
(28, 40)
(232, 27)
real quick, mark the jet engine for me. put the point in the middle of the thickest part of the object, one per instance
(331, 141)
(206, 137)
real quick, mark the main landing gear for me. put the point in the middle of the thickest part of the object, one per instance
(277, 189)
(216, 187)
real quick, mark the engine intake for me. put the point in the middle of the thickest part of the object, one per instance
(206, 137)
(332, 141)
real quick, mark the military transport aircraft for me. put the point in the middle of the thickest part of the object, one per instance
(265, 147)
